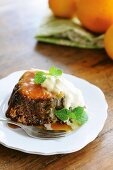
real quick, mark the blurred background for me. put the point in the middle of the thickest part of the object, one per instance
(20, 22)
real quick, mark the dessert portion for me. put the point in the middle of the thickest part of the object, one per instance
(47, 99)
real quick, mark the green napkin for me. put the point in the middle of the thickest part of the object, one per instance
(69, 33)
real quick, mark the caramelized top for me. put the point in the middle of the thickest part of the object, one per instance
(32, 90)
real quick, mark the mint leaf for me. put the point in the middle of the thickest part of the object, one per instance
(72, 115)
(53, 71)
(78, 109)
(81, 115)
(40, 77)
(81, 118)
(62, 114)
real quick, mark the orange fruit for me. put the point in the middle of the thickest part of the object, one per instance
(95, 15)
(63, 8)
(108, 42)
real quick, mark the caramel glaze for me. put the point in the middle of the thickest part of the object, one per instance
(13, 126)
(32, 90)
(58, 126)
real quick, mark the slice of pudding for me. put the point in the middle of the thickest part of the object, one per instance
(45, 99)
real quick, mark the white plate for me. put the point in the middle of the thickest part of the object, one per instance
(17, 139)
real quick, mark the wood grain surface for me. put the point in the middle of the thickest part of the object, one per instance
(19, 21)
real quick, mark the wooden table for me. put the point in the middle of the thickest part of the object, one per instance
(19, 21)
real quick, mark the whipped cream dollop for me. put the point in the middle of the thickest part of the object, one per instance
(72, 95)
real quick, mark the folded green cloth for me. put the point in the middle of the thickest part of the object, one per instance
(69, 33)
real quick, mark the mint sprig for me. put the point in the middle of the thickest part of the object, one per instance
(41, 76)
(78, 114)
(53, 71)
